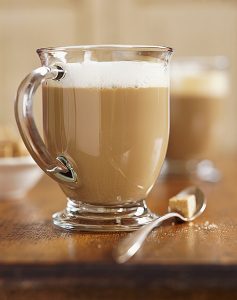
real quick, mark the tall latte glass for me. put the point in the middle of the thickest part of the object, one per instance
(198, 94)
(106, 128)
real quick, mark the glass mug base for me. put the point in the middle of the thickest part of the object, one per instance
(85, 217)
(204, 170)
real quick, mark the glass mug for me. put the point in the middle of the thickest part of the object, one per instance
(105, 130)
(199, 88)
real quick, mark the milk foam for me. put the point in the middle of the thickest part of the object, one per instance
(193, 79)
(213, 83)
(115, 74)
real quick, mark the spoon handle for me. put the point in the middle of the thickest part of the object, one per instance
(131, 244)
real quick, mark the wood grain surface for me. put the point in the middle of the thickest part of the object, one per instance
(190, 261)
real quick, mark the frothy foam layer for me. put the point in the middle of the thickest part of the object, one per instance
(214, 83)
(115, 74)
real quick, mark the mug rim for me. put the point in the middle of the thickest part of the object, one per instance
(111, 47)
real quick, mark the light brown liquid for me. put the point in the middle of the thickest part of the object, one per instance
(116, 137)
(195, 121)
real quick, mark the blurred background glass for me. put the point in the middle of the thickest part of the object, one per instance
(193, 28)
(199, 94)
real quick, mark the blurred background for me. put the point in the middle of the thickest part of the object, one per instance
(192, 27)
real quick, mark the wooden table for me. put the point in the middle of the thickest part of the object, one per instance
(40, 261)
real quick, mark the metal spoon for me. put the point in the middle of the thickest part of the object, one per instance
(131, 244)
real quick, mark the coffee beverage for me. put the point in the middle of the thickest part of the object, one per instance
(196, 107)
(105, 130)
(114, 128)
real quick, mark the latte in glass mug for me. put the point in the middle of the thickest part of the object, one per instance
(105, 130)
(112, 120)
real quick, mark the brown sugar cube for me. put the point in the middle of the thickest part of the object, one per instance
(3, 134)
(185, 205)
(7, 134)
(10, 144)
(20, 149)
(6, 149)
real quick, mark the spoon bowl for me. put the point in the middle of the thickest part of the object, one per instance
(131, 244)
(200, 202)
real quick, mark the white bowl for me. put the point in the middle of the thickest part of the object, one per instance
(17, 176)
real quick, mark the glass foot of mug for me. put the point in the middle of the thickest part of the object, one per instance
(204, 170)
(84, 217)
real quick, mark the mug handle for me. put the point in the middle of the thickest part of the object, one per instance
(58, 168)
